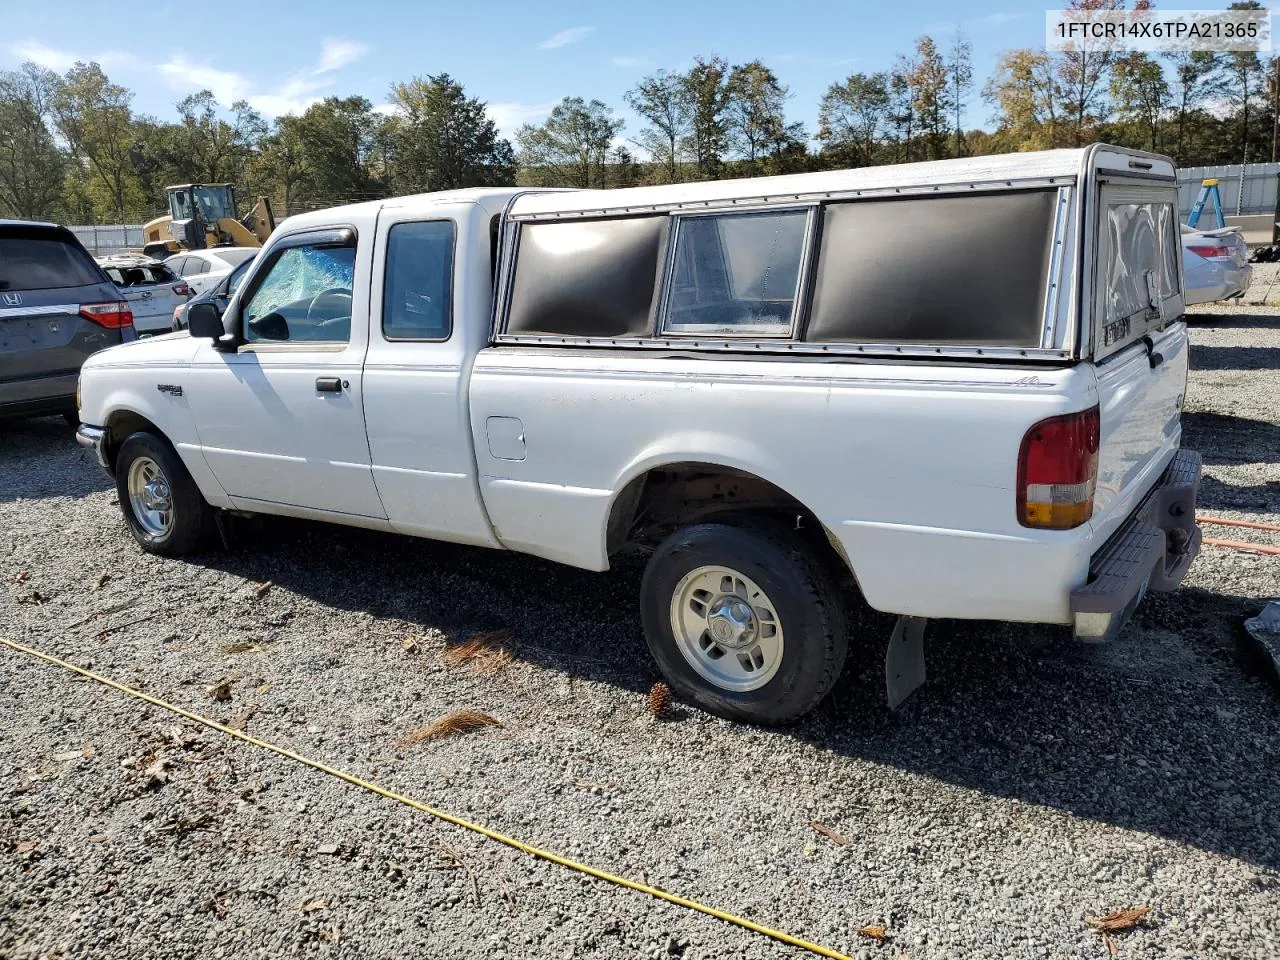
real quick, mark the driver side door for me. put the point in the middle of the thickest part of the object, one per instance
(281, 419)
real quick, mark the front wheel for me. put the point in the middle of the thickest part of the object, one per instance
(161, 503)
(745, 620)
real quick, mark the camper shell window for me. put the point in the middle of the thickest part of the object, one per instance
(945, 270)
(586, 278)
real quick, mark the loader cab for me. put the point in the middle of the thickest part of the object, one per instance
(207, 202)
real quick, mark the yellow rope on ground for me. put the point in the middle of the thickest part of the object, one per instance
(432, 811)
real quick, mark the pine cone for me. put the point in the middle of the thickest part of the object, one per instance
(660, 701)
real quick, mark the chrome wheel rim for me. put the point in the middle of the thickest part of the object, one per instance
(150, 497)
(727, 628)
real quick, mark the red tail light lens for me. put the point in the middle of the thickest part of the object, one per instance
(1211, 253)
(182, 290)
(113, 316)
(1057, 471)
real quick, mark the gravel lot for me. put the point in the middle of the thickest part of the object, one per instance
(1030, 785)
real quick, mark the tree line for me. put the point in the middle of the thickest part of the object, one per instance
(72, 148)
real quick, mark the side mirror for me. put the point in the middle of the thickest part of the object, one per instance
(204, 320)
(271, 326)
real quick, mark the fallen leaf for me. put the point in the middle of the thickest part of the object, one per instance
(260, 590)
(1120, 921)
(875, 933)
(827, 832)
(241, 718)
(1111, 945)
(88, 752)
(22, 577)
(221, 692)
(240, 647)
(64, 757)
(409, 644)
(331, 933)
(26, 846)
(101, 581)
(311, 905)
(451, 724)
(156, 770)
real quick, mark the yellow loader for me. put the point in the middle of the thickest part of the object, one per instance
(204, 215)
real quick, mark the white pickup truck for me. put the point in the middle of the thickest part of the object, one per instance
(955, 386)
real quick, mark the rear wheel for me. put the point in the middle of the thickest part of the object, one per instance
(745, 620)
(161, 503)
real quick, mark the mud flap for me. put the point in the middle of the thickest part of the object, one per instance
(904, 661)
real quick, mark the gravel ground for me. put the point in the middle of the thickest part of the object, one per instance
(1029, 785)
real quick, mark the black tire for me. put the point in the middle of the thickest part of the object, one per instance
(190, 521)
(799, 582)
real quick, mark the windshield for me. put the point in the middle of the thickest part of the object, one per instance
(214, 203)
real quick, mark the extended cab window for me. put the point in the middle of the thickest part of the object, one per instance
(1138, 278)
(417, 292)
(305, 296)
(736, 274)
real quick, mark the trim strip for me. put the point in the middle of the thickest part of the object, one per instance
(60, 308)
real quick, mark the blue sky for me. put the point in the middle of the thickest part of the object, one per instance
(520, 58)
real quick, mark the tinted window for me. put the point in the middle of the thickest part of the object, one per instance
(936, 270)
(236, 277)
(736, 274)
(38, 260)
(586, 278)
(417, 291)
(305, 296)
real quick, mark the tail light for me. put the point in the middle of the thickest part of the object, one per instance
(1211, 253)
(182, 290)
(113, 316)
(1057, 471)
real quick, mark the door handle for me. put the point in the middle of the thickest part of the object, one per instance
(329, 384)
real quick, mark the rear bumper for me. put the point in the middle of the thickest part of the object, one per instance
(94, 438)
(38, 395)
(1153, 549)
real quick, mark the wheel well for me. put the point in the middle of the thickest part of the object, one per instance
(120, 426)
(662, 500)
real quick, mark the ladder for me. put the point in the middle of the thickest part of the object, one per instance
(1208, 189)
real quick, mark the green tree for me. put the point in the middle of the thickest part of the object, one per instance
(95, 117)
(852, 118)
(1141, 95)
(1083, 71)
(32, 168)
(1024, 90)
(1244, 81)
(215, 150)
(662, 99)
(959, 85)
(442, 139)
(335, 136)
(280, 168)
(1196, 78)
(570, 148)
(755, 120)
(929, 83)
(707, 91)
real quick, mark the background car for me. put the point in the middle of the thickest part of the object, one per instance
(203, 268)
(152, 289)
(219, 294)
(56, 308)
(1215, 264)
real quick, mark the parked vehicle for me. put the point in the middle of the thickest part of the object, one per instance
(219, 294)
(201, 269)
(152, 290)
(203, 215)
(56, 308)
(733, 377)
(1215, 264)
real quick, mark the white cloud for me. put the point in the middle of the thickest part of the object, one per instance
(184, 76)
(63, 60)
(388, 109)
(508, 117)
(566, 37)
(336, 53)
